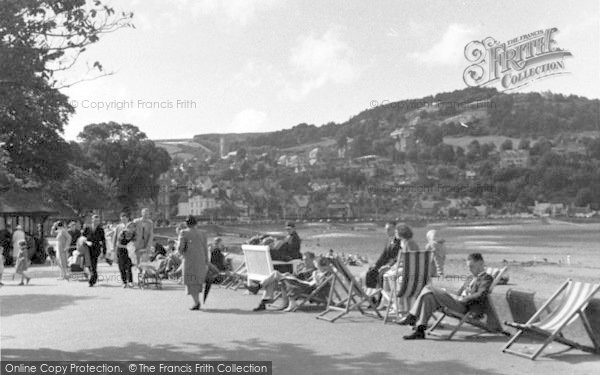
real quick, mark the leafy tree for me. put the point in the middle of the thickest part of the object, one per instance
(131, 162)
(83, 190)
(506, 145)
(39, 38)
(524, 144)
(584, 197)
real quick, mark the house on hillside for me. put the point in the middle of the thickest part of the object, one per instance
(427, 207)
(404, 173)
(405, 139)
(548, 209)
(205, 183)
(196, 205)
(340, 209)
(514, 158)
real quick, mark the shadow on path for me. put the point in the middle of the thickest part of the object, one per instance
(35, 303)
(287, 358)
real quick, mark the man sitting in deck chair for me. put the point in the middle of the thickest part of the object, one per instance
(271, 283)
(289, 248)
(294, 287)
(471, 296)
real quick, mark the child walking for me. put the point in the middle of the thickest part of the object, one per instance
(22, 262)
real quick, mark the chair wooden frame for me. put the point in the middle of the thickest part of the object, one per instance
(492, 324)
(311, 297)
(576, 297)
(415, 275)
(355, 298)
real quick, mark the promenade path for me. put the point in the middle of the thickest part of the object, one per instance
(60, 320)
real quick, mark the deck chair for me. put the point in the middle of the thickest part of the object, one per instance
(575, 299)
(415, 275)
(258, 262)
(347, 294)
(319, 295)
(236, 278)
(491, 323)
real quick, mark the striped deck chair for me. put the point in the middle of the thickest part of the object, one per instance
(346, 294)
(415, 275)
(575, 299)
(490, 324)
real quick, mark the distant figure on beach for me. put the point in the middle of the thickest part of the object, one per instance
(63, 242)
(289, 248)
(194, 249)
(145, 234)
(436, 244)
(470, 297)
(22, 262)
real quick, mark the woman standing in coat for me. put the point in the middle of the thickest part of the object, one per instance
(194, 248)
(63, 241)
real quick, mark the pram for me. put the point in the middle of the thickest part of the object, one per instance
(76, 262)
(147, 273)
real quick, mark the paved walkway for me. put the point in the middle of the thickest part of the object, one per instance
(60, 320)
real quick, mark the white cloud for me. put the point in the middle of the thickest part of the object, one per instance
(248, 120)
(319, 61)
(450, 49)
(238, 12)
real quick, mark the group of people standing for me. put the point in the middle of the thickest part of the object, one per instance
(84, 247)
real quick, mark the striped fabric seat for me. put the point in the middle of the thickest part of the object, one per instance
(415, 275)
(575, 298)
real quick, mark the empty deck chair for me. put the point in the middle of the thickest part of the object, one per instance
(258, 262)
(415, 275)
(575, 299)
(490, 324)
(347, 294)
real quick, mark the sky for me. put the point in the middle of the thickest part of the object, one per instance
(207, 66)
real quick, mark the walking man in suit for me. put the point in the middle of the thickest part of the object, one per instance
(94, 233)
(471, 297)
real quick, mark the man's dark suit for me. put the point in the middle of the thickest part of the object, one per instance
(96, 237)
(288, 249)
(474, 294)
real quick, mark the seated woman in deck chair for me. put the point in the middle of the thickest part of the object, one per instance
(293, 287)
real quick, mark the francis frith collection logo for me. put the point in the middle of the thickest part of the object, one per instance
(514, 63)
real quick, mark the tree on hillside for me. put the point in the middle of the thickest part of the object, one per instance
(524, 144)
(506, 145)
(39, 38)
(131, 162)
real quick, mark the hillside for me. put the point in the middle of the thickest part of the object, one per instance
(485, 111)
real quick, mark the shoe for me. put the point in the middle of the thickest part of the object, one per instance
(408, 320)
(21, 283)
(260, 307)
(253, 288)
(196, 307)
(1, 284)
(418, 334)
(27, 279)
(131, 285)
(291, 308)
(125, 286)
